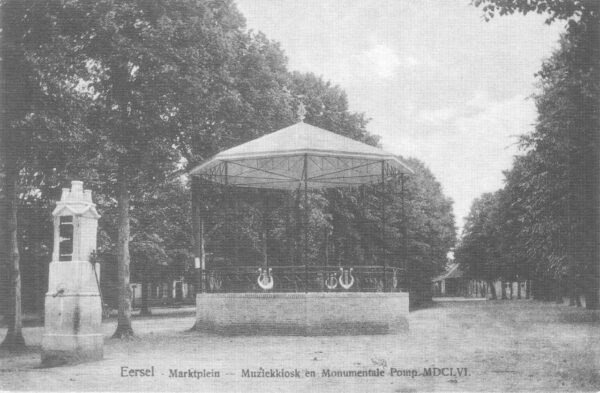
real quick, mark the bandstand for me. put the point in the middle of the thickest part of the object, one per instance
(304, 298)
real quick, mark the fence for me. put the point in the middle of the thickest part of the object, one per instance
(302, 279)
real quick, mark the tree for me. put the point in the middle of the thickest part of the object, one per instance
(161, 228)
(147, 90)
(145, 64)
(576, 11)
(564, 149)
(349, 218)
(478, 250)
(567, 143)
(249, 101)
(516, 216)
(37, 114)
(16, 101)
(430, 229)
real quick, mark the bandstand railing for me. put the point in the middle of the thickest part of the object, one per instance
(301, 279)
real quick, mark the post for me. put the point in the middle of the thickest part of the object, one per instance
(297, 226)
(236, 232)
(383, 250)
(383, 210)
(404, 228)
(265, 228)
(305, 172)
(228, 210)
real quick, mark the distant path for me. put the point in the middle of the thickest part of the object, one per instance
(505, 346)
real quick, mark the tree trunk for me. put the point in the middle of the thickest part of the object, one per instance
(326, 246)
(512, 288)
(558, 293)
(549, 294)
(195, 218)
(590, 288)
(170, 286)
(202, 245)
(39, 286)
(124, 329)
(518, 289)
(492, 288)
(4, 262)
(539, 290)
(528, 289)
(145, 310)
(14, 340)
(503, 289)
(572, 291)
(545, 293)
(591, 299)
(198, 235)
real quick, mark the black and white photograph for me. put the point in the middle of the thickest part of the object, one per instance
(300, 195)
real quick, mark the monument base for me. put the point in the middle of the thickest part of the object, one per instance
(73, 332)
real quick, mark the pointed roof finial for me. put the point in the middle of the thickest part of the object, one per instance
(301, 111)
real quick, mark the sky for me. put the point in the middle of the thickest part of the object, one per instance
(438, 82)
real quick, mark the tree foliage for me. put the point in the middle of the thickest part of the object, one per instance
(547, 215)
(38, 114)
(129, 96)
(572, 10)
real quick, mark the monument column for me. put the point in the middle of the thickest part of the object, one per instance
(73, 308)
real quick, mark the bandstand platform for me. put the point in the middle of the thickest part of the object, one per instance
(233, 302)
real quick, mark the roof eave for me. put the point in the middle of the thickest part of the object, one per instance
(221, 158)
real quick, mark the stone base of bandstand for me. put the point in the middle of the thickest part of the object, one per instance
(312, 313)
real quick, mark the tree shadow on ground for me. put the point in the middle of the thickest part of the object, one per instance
(579, 316)
(28, 350)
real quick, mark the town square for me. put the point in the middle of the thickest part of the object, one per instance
(250, 195)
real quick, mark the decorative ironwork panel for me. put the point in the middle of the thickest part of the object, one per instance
(303, 279)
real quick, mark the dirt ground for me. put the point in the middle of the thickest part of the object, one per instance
(504, 346)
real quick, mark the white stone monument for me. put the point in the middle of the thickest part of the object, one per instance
(73, 308)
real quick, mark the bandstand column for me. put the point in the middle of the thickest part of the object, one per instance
(265, 227)
(404, 226)
(305, 171)
(383, 242)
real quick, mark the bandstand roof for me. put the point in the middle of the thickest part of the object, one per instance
(300, 153)
(453, 271)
